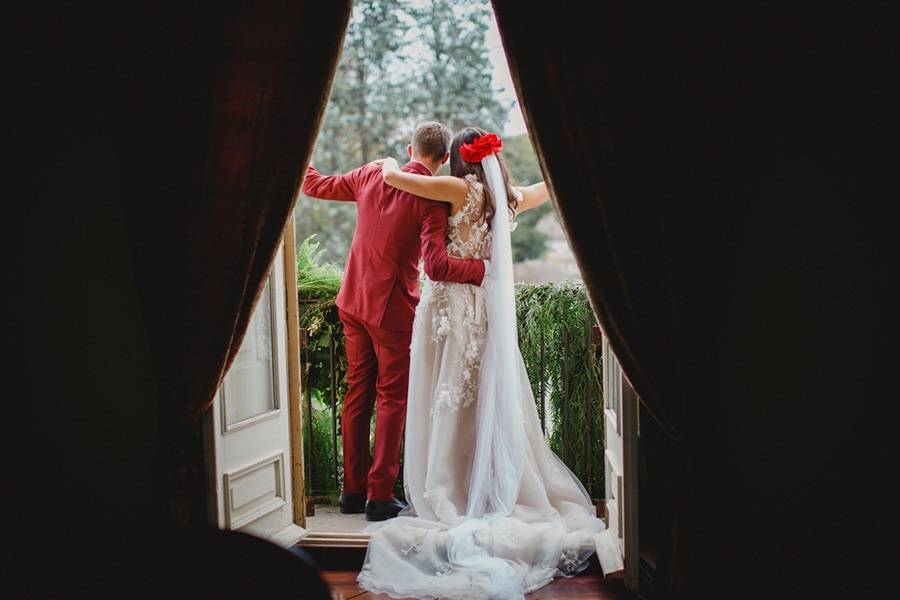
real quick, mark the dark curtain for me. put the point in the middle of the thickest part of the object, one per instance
(597, 104)
(610, 117)
(158, 149)
(217, 108)
(220, 112)
(718, 171)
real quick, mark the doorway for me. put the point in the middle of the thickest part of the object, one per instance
(395, 70)
(402, 64)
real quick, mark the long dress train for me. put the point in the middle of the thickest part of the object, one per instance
(437, 548)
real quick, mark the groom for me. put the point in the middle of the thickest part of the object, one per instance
(377, 303)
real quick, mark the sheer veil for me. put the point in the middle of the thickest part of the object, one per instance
(497, 466)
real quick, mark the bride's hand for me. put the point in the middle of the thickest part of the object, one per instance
(388, 165)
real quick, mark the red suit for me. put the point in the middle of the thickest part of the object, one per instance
(377, 304)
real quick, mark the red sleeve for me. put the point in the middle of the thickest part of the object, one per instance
(331, 187)
(438, 265)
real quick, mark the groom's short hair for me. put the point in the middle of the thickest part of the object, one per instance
(431, 140)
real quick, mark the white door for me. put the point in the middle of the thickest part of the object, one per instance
(617, 546)
(249, 426)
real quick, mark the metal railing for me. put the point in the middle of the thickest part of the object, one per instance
(585, 437)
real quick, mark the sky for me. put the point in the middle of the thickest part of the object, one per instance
(515, 124)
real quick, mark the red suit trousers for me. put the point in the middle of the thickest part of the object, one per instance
(377, 377)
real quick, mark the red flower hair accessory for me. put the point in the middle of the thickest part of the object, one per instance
(480, 147)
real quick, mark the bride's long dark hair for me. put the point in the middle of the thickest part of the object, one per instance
(460, 168)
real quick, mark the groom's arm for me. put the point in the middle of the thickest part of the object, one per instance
(438, 265)
(331, 187)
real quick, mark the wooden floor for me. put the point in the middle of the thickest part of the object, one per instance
(339, 567)
(586, 585)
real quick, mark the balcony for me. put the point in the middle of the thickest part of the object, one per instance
(560, 345)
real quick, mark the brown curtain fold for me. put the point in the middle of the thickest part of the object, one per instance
(221, 110)
(217, 108)
(720, 172)
(599, 106)
(582, 102)
(645, 132)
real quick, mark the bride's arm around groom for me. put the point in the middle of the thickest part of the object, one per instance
(432, 220)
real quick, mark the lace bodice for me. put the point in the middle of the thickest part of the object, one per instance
(468, 234)
(456, 311)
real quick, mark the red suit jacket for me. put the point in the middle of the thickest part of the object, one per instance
(394, 229)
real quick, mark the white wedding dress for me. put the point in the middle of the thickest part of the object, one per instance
(493, 512)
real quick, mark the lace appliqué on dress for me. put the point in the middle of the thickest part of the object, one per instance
(415, 547)
(469, 328)
(457, 310)
(468, 234)
(568, 561)
(447, 399)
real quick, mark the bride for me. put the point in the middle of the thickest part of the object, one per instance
(493, 512)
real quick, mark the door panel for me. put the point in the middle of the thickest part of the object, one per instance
(617, 546)
(250, 426)
(254, 491)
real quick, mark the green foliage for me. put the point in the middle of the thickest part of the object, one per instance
(320, 468)
(558, 312)
(323, 350)
(453, 83)
(317, 284)
(521, 160)
(527, 241)
(558, 317)
(368, 95)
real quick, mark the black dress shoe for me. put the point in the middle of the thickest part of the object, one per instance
(379, 510)
(352, 503)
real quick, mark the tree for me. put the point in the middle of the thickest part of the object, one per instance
(367, 94)
(521, 160)
(401, 64)
(527, 241)
(455, 84)
(360, 116)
